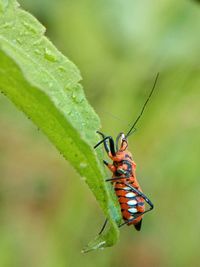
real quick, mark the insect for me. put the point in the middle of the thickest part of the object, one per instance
(130, 196)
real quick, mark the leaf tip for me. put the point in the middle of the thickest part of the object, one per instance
(94, 245)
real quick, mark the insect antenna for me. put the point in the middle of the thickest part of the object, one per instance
(143, 108)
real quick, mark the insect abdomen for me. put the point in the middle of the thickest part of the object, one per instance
(131, 204)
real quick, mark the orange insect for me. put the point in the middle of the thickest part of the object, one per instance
(130, 196)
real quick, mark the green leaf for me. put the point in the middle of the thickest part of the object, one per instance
(44, 84)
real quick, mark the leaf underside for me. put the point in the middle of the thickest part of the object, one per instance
(44, 84)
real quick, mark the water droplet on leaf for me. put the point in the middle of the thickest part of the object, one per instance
(49, 55)
(29, 27)
(37, 51)
(7, 25)
(83, 165)
(19, 41)
(61, 68)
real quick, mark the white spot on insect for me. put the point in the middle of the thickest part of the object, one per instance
(132, 202)
(127, 188)
(130, 194)
(132, 210)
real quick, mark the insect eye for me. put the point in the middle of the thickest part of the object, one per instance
(122, 136)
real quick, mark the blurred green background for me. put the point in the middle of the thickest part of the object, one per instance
(47, 212)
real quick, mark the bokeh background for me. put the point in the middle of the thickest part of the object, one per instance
(47, 213)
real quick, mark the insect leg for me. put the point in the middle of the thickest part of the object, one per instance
(103, 227)
(134, 217)
(116, 178)
(103, 141)
(111, 167)
(111, 143)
